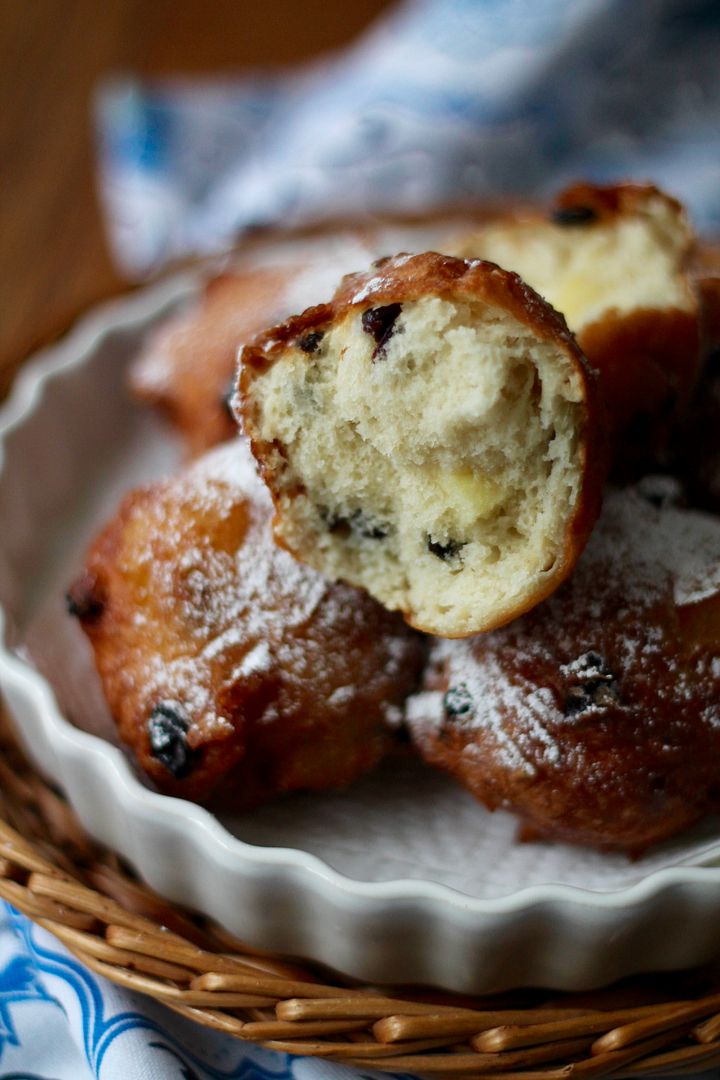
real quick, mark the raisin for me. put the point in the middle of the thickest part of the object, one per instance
(167, 728)
(581, 698)
(339, 526)
(335, 523)
(458, 703)
(596, 686)
(84, 600)
(375, 532)
(357, 523)
(446, 551)
(592, 665)
(574, 215)
(368, 527)
(379, 323)
(310, 343)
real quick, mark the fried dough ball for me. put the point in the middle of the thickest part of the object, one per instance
(596, 717)
(186, 368)
(432, 434)
(615, 261)
(231, 670)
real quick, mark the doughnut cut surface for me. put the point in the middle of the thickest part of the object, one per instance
(616, 260)
(432, 435)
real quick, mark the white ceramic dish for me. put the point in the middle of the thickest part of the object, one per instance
(379, 883)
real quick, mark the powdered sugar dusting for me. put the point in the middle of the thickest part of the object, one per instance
(375, 284)
(684, 544)
(232, 464)
(233, 612)
(256, 662)
(495, 697)
(378, 282)
(613, 625)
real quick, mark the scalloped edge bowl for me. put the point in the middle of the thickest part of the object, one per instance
(282, 899)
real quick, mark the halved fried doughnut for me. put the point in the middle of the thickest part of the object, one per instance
(433, 435)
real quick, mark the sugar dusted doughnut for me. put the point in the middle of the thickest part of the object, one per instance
(432, 434)
(186, 367)
(596, 717)
(616, 261)
(230, 669)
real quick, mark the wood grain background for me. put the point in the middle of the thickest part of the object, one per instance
(53, 258)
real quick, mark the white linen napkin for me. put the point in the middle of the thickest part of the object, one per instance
(441, 100)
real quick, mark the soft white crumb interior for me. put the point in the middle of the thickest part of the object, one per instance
(627, 262)
(439, 471)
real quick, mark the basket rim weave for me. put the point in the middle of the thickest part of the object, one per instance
(81, 892)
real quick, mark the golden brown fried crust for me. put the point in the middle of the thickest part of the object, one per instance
(610, 200)
(705, 277)
(649, 363)
(694, 452)
(708, 289)
(404, 278)
(596, 717)
(231, 671)
(186, 369)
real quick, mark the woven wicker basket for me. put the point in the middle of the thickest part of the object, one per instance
(83, 894)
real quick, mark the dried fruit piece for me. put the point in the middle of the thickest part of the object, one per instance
(84, 600)
(167, 728)
(458, 702)
(310, 343)
(596, 686)
(446, 551)
(357, 523)
(379, 322)
(573, 215)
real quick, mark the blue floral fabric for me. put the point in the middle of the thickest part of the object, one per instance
(440, 100)
(60, 1022)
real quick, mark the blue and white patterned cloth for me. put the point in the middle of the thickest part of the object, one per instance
(60, 1022)
(442, 99)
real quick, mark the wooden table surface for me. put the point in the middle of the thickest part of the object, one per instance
(54, 261)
